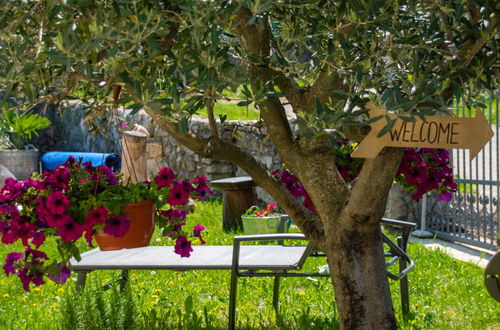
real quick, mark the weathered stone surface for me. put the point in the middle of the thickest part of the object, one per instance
(154, 150)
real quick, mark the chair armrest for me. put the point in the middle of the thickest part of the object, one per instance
(398, 223)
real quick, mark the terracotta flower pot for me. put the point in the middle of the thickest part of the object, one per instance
(142, 225)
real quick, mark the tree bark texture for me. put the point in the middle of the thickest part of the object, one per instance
(356, 260)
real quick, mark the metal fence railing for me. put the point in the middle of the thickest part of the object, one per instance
(472, 216)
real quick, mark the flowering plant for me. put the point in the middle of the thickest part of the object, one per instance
(424, 170)
(76, 200)
(270, 210)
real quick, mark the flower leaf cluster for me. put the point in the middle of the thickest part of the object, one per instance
(75, 201)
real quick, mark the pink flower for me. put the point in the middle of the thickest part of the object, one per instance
(177, 195)
(70, 230)
(96, 216)
(183, 247)
(197, 232)
(164, 177)
(117, 226)
(38, 239)
(108, 175)
(174, 214)
(57, 202)
(56, 220)
(59, 178)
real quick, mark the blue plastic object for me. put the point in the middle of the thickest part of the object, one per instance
(55, 158)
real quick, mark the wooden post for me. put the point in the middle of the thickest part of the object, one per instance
(134, 156)
(238, 195)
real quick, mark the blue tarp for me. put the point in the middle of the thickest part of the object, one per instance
(55, 158)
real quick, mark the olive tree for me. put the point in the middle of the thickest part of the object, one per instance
(327, 58)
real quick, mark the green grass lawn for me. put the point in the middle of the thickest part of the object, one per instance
(233, 112)
(444, 294)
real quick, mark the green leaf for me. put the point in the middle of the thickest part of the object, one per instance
(183, 125)
(388, 127)
(222, 118)
(244, 103)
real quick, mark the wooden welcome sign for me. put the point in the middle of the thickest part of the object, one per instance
(434, 132)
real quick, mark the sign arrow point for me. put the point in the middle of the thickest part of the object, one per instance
(483, 133)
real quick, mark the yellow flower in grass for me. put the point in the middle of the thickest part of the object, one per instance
(155, 296)
(171, 283)
(154, 303)
(36, 289)
(180, 279)
(302, 293)
(157, 291)
(6, 295)
(53, 306)
(60, 290)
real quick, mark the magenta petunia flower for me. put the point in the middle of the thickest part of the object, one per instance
(70, 230)
(183, 247)
(57, 202)
(11, 258)
(62, 275)
(174, 214)
(96, 216)
(415, 175)
(38, 239)
(107, 173)
(56, 220)
(59, 178)
(164, 177)
(197, 232)
(177, 195)
(117, 226)
(444, 196)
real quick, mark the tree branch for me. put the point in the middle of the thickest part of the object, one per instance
(217, 149)
(210, 112)
(372, 186)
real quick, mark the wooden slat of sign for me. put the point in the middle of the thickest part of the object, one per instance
(433, 132)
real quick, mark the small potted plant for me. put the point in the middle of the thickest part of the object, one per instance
(78, 202)
(17, 127)
(267, 220)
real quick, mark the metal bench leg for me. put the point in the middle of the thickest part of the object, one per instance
(232, 299)
(403, 282)
(276, 294)
(80, 282)
(123, 280)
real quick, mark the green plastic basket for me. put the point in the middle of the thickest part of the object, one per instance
(265, 224)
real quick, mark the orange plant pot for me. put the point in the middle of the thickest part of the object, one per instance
(142, 225)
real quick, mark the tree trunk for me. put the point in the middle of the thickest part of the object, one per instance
(362, 293)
